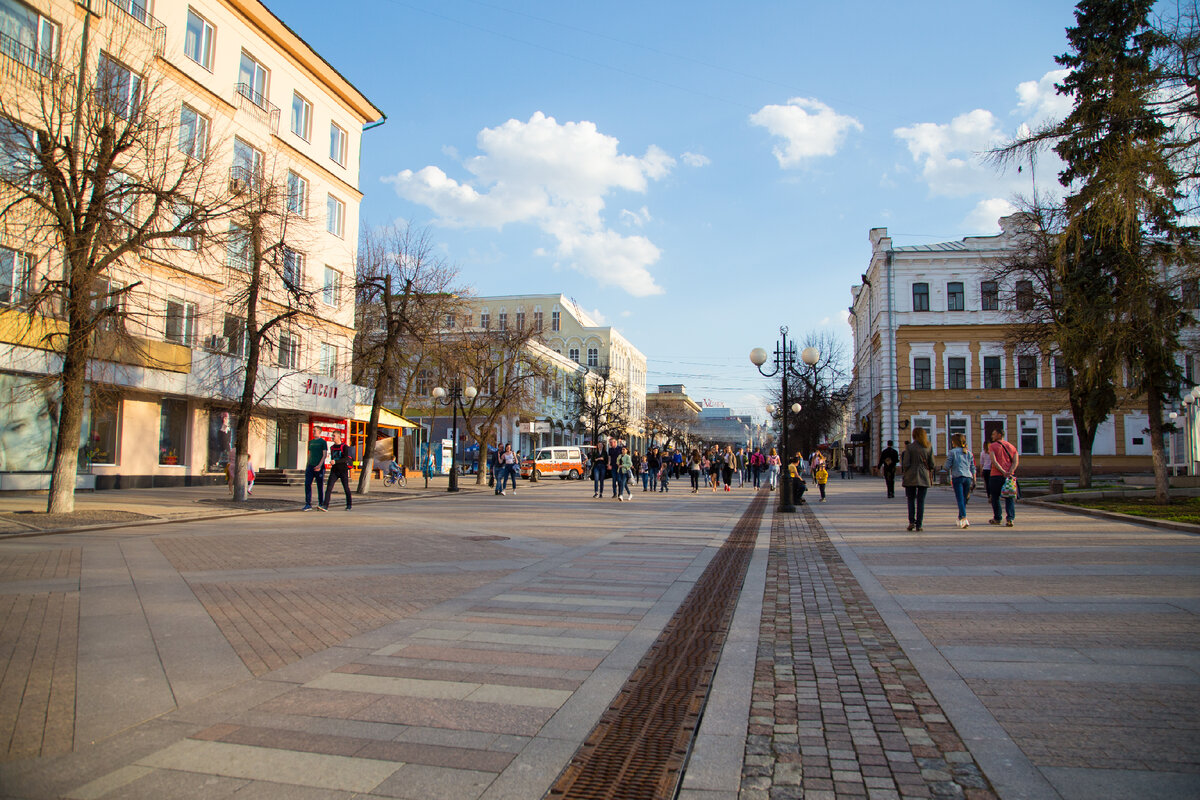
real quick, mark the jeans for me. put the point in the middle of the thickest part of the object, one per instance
(621, 479)
(962, 485)
(645, 481)
(889, 477)
(598, 480)
(314, 474)
(756, 469)
(653, 473)
(664, 482)
(821, 488)
(916, 504)
(695, 479)
(511, 471)
(995, 484)
(773, 476)
(338, 472)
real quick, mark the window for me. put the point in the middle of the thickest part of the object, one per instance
(28, 37)
(1191, 293)
(503, 320)
(102, 431)
(1064, 436)
(920, 297)
(593, 356)
(172, 433)
(1060, 373)
(485, 320)
(537, 321)
(1027, 372)
(1030, 435)
(16, 276)
(247, 164)
(252, 80)
(297, 195)
(922, 375)
(555, 320)
(989, 295)
(237, 250)
(181, 322)
(301, 117)
(293, 267)
(289, 351)
(183, 221)
(992, 377)
(234, 331)
(451, 320)
(18, 162)
(956, 372)
(198, 40)
(335, 221)
(521, 320)
(573, 354)
(108, 302)
(119, 87)
(956, 298)
(424, 383)
(193, 133)
(467, 320)
(329, 291)
(957, 425)
(328, 360)
(337, 144)
(1024, 295)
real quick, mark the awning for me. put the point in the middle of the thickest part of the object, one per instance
(387, 419)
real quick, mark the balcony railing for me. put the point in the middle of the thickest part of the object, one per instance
(257, 104)
(150, 27)
(22, 60)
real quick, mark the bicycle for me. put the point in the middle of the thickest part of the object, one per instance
(394, 478)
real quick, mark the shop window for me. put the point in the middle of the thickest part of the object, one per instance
(222, 427)
(102, 431)
(172, 433)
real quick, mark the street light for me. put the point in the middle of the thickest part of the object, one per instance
(785, 364)
(454, 396)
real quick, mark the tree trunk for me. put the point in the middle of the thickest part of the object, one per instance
(70, 423)
(1085, 465)
(1162, 478)
(253, 343)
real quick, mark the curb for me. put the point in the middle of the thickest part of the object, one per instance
(1116, 516)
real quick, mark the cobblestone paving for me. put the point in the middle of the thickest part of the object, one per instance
(838, 711)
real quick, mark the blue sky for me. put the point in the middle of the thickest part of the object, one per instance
(696, 174)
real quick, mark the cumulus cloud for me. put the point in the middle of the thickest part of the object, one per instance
(695, 160)
(557, 177)
(1039, 102)
(985, 217)
(808, 127)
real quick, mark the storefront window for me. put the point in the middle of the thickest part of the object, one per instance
(221, 429)
(172, 433)
(28, 424)
(102, 432)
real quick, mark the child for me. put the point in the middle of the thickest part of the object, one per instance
(821, 475)
(249, 476)
(393, 469)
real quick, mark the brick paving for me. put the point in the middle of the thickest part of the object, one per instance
(838, 710)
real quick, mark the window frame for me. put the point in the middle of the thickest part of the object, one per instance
(956, 300)
(109, 67)
(187, 316)
(1023, 295)
(593, 356)
(1024, 372)
(952, 372)
(17, 289)
(916, 305)
(200, 129)
(331, 286)
(556, 320)
(181, 448)
(917, 371)
(338, 155)
(288, 351)
(989, 295)
(1059, 436)
(255, 95)
(47, 35)
(573, 354)
(329, 361)
(293, 267)
(306, 108)
(297, 188)
(1023, 432)
(335, 216)
(206, 41)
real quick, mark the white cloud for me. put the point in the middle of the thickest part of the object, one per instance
(635, 218)
(808, 127)
(1039, 102)
(985, 217)
(598, 317)
(555, 176)
(695, 160)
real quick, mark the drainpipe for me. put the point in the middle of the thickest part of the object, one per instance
(893, 377)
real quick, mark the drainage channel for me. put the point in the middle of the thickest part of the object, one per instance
(640, 747)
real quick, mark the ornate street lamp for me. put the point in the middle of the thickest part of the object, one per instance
(453, 398)
(785, 365)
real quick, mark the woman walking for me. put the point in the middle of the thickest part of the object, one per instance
(917, 463)
(773, 462)
(599, 464)
(961, 467)
(729, 464)
(985, 470)
(624, 471)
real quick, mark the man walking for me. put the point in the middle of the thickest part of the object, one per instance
(614, 455)
(888, 460)
(342, 456)
(314, 469)
(1004, 466)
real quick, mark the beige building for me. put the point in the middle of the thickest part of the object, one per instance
(259, 110)
(931, 351)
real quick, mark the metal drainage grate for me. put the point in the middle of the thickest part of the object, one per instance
(640, 747)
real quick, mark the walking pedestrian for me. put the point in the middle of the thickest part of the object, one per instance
(1004, 467)
(509, 468)
(888, 460)
(314, 470)
(342, 456)
(961, 467)
(599, 466)
(849, 456)
(624, 473)
(728, 467)
(757, 462)
(614, 453)
(695, 465)
(985, 469)
(821, 476)
(653, 465)
(916, 465)
(773, 469)
(714, 468)
(664, 477)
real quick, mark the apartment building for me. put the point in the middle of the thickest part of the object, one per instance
(254, 110)
(931, 350)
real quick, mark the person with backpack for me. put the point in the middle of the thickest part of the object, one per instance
(342, 456)
(888, 460)
(1002, 482)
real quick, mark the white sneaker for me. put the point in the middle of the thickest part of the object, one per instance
(965, 523)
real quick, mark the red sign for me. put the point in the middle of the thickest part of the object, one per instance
(319, 389)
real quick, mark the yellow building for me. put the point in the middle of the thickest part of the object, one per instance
(239, 94)
(931, 350)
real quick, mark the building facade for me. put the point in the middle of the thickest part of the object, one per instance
(245, 97)
(931, 350)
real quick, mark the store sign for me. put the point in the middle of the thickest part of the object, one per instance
(535, 427)
(315, 387)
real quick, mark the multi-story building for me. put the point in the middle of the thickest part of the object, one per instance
(932, 350)
(243, 95)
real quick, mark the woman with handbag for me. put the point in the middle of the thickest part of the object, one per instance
(961, 466)
(917, 464)
(1002, 483)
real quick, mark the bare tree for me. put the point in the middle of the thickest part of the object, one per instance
(821, 390)
(395, 260)
(602, 402)
(91, 179)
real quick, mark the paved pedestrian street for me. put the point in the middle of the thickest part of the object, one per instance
(464, 646)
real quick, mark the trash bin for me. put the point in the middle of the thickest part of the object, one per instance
(1056, 486)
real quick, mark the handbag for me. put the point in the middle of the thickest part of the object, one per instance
(1010, 487)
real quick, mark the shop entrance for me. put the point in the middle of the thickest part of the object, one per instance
(287, 442)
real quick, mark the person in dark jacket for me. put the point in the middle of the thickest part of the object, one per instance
(888, 460)
(342, 456)
(918, 468)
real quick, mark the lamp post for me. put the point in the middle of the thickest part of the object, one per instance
(453, 397)
(785, 365)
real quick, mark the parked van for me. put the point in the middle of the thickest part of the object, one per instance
(564, 462)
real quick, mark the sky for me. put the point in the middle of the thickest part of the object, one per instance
(694, 174)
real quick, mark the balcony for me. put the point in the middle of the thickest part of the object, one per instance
(23, 63)
(247, 99)
(137, 19)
